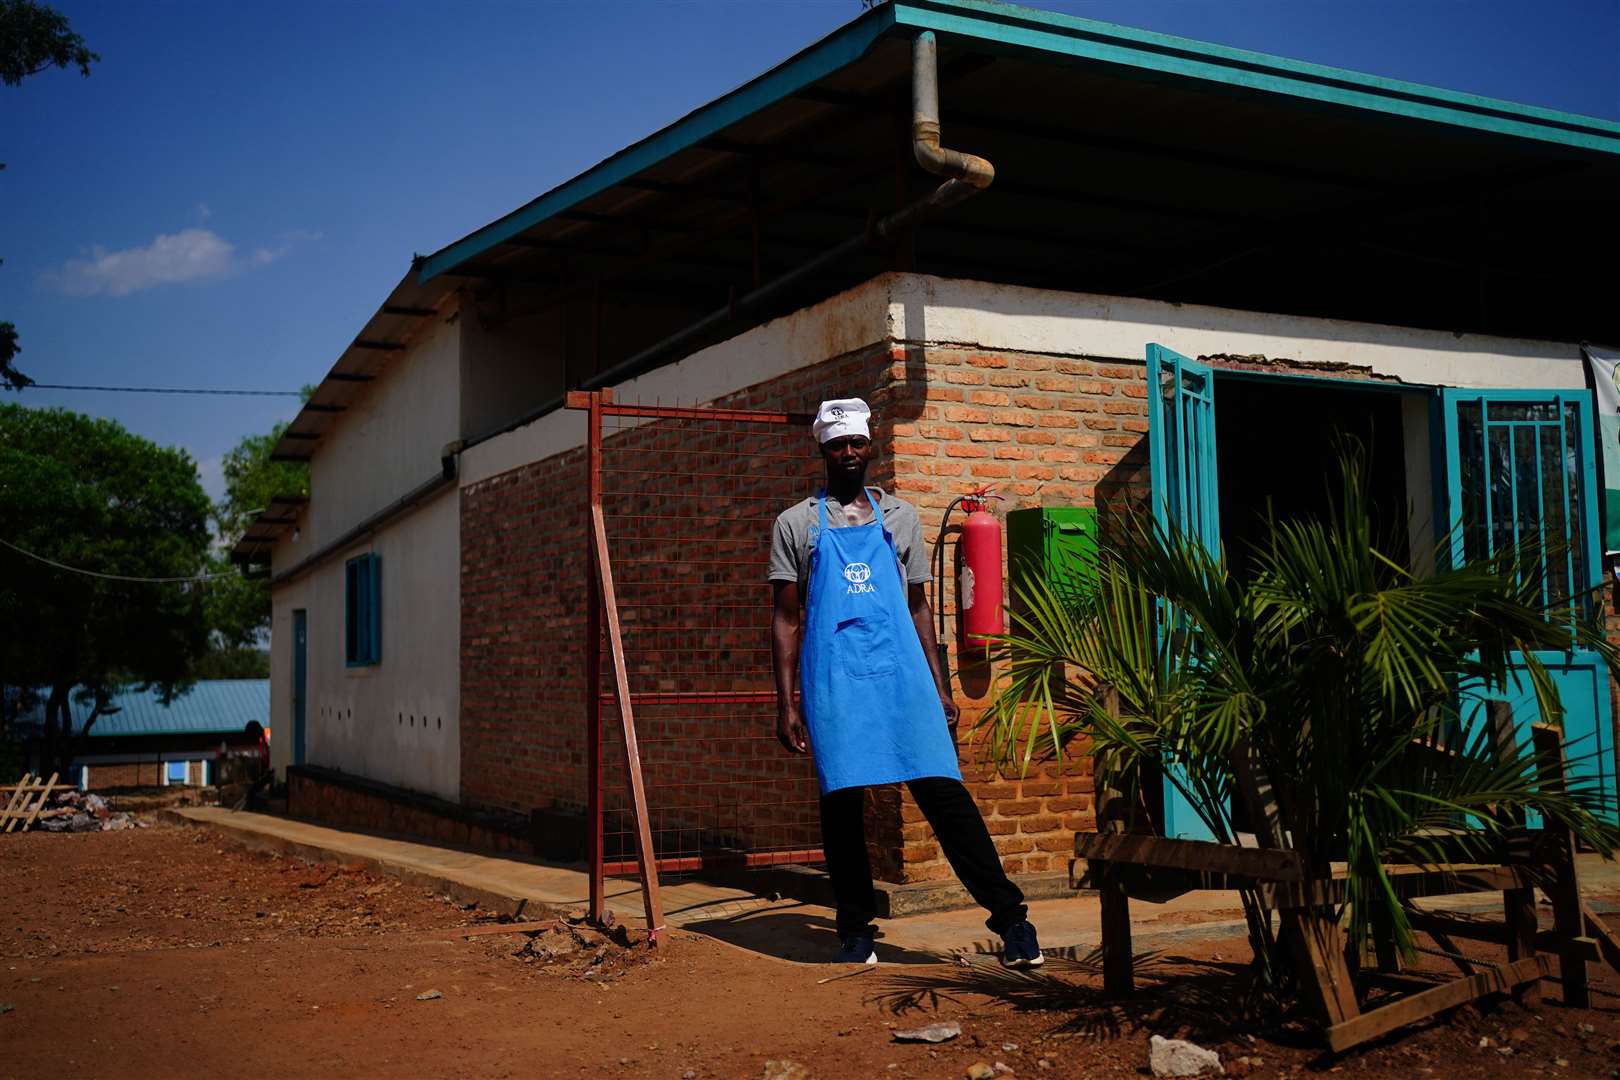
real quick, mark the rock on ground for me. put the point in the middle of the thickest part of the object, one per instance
(1178, 1057)
(785, 1069)
(933, 1033)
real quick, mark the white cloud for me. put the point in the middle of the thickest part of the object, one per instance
(211, 473)
(193, 254)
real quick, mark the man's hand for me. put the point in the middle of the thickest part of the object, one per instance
(952, 713)
(790, 730)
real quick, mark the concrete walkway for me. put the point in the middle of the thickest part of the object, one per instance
(786, 929)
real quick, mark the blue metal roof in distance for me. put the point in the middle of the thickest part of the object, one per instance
(212, 707)
(1021, 29)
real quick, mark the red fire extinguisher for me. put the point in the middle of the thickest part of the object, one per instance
(979, 590)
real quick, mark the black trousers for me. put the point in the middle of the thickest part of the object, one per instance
(958, 827)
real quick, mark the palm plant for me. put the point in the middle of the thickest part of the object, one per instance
(1353, 682)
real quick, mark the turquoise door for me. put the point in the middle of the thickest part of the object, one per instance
(300, 680)
(1181, 444)
(1520, 467)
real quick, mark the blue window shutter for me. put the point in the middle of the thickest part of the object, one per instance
(375, 569)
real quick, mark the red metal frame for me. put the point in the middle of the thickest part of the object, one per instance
(674, 641)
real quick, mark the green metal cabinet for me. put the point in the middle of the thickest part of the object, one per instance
(1057, 542)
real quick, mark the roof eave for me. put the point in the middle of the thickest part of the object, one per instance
(1163, 54)
(1085, 40)
(838, 50)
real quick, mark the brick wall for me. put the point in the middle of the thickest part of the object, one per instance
(1046, 430)
(324, 795)
(132, 774)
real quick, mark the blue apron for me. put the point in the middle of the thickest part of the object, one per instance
(869, 697)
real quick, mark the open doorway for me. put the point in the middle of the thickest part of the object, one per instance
(1278, 444)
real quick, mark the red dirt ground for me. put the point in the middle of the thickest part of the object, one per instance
(165, 952)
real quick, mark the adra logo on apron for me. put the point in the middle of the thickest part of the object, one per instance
(858, 575)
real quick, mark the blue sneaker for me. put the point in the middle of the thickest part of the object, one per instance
(1019, 947)
(856, 949)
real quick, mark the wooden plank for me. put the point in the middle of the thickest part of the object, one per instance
(1587, 948)
(503, 928)
(1421, 1006)
(1519, 918)
(1159, 883)
(1264, 864)
(1310, 935)
(1607, 941)
(1488, 931)
(632, 753)
(20, 792)
(1387, 957)
(1407, 885)
(1317, 945)
(1564, 888)
(39, 804)
(1119, 974)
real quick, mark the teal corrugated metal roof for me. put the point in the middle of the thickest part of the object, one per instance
(211, 707)
(1077, 40)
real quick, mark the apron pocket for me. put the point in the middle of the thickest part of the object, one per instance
(865, 647)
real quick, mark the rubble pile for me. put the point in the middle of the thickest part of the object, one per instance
(572, 945)
(74, 811)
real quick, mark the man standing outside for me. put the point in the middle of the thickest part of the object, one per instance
(875, 707)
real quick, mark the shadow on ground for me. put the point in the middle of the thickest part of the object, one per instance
(1175, 995)
(794, 934)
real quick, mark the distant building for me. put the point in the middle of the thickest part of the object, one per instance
(148, 743)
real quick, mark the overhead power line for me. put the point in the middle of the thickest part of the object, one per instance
(165, 390)
(115, 577)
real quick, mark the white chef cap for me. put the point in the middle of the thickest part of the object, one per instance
(845, 416)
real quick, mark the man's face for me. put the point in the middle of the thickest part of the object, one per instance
(847, 456)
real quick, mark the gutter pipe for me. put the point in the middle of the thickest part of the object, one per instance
(966, 176)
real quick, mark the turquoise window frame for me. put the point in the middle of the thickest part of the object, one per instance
(1185, 494)
(1570, 402)
(1588, 716)
(362, 611)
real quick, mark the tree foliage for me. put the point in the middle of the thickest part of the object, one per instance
(35, 38)
(239, 606)
(10, 377)
(1353, 682)
(86, 494)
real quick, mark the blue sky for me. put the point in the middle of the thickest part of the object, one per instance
(237, 186)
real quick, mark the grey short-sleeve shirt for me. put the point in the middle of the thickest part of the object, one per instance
(794, 538)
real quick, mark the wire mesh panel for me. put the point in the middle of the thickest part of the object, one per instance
(689, 497)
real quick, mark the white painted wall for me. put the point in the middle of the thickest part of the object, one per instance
(389, 441)
(915, 308)
(284, 600)
(370, 720)
(839, 325)
(973, 313)
(398, 721)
